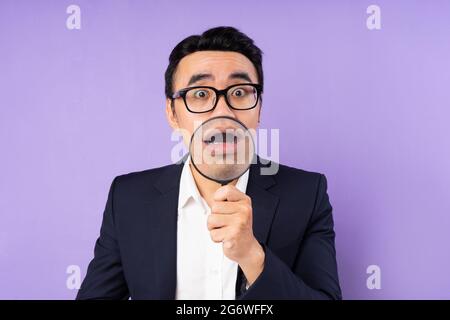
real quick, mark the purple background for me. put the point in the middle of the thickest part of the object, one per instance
(369, 109)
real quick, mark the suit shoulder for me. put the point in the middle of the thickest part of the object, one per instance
(295, 175)
(144, 180)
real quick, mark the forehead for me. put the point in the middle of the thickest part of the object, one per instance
(220, 64)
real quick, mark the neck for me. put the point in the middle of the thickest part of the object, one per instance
(205, 186)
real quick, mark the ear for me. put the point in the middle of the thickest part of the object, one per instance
(171, 115)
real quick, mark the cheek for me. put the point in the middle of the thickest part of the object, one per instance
(250, 118)
(187, 130)
(188, 122)
(184, 124)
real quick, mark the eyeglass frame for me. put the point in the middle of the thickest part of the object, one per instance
(182, 94)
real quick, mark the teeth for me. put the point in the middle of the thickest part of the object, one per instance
(225, 138)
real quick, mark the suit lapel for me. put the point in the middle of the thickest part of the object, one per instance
(164, 232)
(264, 203)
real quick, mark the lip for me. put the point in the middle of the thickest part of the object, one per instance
(222, 134)
(220, 148)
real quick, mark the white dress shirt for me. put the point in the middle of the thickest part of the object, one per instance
(203, 271)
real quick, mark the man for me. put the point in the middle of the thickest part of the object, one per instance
(171, 233)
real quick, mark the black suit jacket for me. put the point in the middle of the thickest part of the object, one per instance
(135, 254)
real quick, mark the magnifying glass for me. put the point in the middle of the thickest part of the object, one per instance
(222, 149)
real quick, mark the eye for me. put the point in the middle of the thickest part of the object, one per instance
(239, 92)
(201, 94)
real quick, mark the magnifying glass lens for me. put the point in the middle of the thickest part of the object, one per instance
(222, 149)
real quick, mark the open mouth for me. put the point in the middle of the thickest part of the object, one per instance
(221, 138)
(219, 142)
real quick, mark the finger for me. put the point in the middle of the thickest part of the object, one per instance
(224, 207)
(220, 234)
(215, 221)
(228, 244)
(229, 193)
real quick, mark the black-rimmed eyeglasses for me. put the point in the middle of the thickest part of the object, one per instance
(200, 99)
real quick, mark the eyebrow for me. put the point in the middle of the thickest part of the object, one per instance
(199, 76)
(240, 75)
(235, 75)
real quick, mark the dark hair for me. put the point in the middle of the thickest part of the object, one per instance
(219, 39)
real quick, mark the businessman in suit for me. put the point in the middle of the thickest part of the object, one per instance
(171, 233)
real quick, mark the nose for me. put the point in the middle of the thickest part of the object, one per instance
(222, 108)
